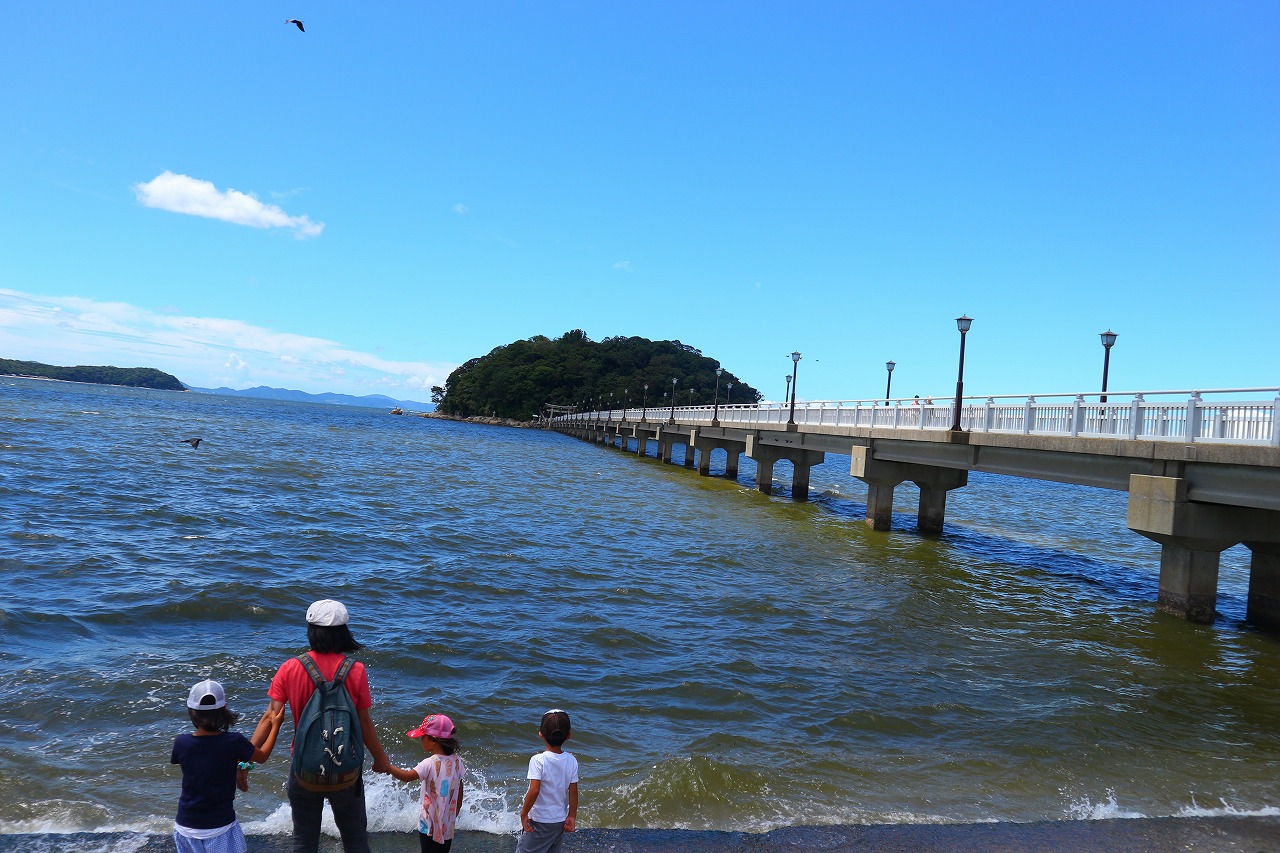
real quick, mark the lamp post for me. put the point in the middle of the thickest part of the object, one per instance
(674, 380)
(963, 322)
(889, 366)
(728, 395)
(787, 399)
(644, 404)
(795, 365)
(1108, 341)
(715, 411)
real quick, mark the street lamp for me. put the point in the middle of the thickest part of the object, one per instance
(795, 365)
(674, 380)
(715, 411)
(1108, 341)
(728, 395)
(963, 322)
(644, 404)
(889, 366)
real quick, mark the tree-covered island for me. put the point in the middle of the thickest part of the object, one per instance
(516, 380)
(133, 377)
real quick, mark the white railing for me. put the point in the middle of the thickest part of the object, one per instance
(1160, 415)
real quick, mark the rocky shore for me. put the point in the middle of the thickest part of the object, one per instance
(507, 422)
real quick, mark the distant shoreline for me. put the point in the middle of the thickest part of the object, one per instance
(476, 419)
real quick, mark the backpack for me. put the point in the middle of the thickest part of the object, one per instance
(328, 745)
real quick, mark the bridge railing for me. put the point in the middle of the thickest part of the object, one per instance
(1160, 415)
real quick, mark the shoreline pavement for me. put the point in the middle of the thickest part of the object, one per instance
(1251, 834)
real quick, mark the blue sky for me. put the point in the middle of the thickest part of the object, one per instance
(362, 207)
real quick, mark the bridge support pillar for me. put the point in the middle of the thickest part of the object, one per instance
(883, 477)
(1264, 586)
(801, 461)
(705, 445)
(1192, 536)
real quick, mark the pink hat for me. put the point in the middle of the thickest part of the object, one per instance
(434, 725)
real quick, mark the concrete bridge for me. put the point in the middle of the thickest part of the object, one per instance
(1202, 476)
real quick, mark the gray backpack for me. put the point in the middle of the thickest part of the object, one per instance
(328, 746)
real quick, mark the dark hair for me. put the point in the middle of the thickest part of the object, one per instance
(330, 639)
(448, 744)
(555, 727)
(213, 719)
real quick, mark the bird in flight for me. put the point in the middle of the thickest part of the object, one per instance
(295, 21)
(194, 442)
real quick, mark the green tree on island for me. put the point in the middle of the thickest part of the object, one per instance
(516, 380)
(134, 377)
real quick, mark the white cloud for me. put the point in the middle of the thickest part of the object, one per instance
(625, 266)
(461, 209)
(205, 352)
(184, 194)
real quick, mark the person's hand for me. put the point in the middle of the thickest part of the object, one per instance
(525, 824)
(276, 717)
(570, 823)
(242, 780)
(382, 765)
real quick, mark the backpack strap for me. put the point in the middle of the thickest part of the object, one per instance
(312, 670)
(340, 676)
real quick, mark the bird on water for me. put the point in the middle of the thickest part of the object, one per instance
(296, 22)
(194, 442)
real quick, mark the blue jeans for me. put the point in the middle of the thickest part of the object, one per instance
(348, 814)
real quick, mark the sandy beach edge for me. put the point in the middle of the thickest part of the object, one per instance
(1227, 834)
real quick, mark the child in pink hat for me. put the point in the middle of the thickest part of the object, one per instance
(441, 775)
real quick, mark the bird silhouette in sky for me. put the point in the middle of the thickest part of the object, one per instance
(194, 442)
(297, 22)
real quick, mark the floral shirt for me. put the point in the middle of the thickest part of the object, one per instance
(441, 777)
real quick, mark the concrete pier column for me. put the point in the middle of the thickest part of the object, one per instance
(704, 447)
(801, 462)
(1192, 536)
(934, 486)
(764, 474)
(1263, 609)
(664, 449)
(880, 505)
(688, 454)
(1188, 582)
(881, 479)
(731, 463)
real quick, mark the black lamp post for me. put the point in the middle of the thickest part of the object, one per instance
(963, 323)
(795, 365)
(787, 399)
(1108, 341)
(715, 411)
(889, 366)
(644, 402)
(674, 380)
(728, 395)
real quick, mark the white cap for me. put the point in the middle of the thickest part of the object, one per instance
(204, 691)
(327, 613)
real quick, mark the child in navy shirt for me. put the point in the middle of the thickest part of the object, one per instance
(212, 759)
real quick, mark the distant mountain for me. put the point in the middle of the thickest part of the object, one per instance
(372, 401)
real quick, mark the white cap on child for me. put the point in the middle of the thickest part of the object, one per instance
(207, 696)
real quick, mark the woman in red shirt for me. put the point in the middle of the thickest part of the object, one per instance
(330, 640)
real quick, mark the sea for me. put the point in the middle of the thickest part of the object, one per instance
(732, 662)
